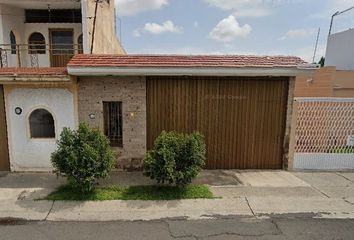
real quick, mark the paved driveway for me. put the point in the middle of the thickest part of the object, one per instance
(330, 184)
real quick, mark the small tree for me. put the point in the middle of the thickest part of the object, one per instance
(83, 156)
(175, 158)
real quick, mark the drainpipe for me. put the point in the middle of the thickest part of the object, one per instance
(18, 55)
(94, 26)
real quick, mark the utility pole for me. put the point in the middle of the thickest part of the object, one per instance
(94, 25)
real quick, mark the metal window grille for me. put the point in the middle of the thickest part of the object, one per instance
(113, 123)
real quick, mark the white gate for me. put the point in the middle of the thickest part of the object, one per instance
(324, 136)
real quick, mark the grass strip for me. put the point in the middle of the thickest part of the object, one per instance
(66, 192)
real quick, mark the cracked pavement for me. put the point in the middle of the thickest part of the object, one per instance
(271, 227)
(267, 205)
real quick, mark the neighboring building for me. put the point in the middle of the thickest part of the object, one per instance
(39, 102)
(37, 96)
(37, 33)
(340, 50)
(336, 79)
(324, 110)
(326, 82)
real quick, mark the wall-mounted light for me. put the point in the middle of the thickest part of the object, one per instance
(18, 110)
(132, 114)
(92, 116)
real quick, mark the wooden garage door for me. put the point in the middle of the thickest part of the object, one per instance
(4, 153)
(242, 119)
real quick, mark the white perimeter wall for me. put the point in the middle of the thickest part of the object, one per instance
(340, 50)
(28, 154)
(323, 161)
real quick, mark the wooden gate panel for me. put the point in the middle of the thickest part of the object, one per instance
(4, 152)
(242, 119)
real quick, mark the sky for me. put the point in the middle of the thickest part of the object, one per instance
(253, 27)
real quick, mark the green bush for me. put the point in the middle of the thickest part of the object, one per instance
(83, 156)
(175, 158)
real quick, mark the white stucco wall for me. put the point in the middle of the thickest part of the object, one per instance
(340, 50)
(28, 154)
(43, 28)
(12, 20)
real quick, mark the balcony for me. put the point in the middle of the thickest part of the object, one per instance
(37, 55)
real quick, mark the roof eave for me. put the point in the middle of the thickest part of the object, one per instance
(190, 71)
(18, 78)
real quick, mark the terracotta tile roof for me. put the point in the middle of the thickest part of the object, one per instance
(57, 71)
(225, 61)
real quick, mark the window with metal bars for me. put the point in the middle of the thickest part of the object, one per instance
(113, 123)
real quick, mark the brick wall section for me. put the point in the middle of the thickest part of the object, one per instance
(131, 91)
(320, 84)
(343, 84)
(326, 82)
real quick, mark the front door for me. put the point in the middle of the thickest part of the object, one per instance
(4, 152)
(61, 46)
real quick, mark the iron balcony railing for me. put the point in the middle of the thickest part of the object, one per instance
(37, 55)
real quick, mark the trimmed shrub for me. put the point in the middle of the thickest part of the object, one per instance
(175, 158)
(83, 156)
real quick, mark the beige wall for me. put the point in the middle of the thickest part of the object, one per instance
(326, 82)
(105, 40)
(317, 85)
(343, 84)
(131, 91)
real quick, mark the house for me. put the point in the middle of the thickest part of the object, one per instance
(61, 64)
(35, 33)
(37, 39)
(323, 110)
(242, 104)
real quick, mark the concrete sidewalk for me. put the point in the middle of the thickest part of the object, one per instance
(247, 193)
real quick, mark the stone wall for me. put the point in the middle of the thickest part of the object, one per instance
(131, 91)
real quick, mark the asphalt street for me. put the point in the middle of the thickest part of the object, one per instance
(274, 227)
